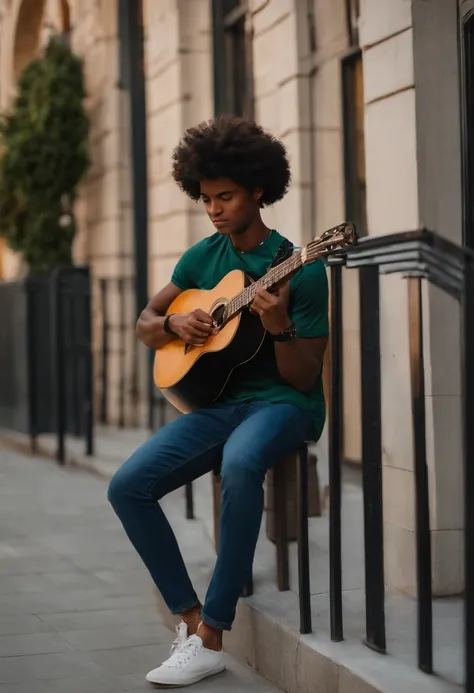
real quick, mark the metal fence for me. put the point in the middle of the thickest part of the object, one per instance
(126, 393)
(46, 357)
(415, 255)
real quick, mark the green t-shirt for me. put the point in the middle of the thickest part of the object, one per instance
(207, 262)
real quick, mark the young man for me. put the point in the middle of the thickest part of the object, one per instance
(269, 406)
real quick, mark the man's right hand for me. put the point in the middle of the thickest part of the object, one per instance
(193, 328)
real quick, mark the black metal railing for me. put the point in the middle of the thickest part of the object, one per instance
(118, 382)
(124, 367)
(415, 255)
(46, 357)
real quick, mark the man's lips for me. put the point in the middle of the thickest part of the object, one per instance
(219, 222)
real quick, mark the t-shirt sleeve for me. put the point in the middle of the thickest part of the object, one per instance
(183, 272)
(309, 301)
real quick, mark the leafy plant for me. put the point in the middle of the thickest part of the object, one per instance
(44, 156)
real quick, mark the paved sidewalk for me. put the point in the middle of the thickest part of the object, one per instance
(77, 609)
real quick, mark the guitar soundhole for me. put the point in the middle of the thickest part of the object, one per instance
(218, 315)
(217, 312)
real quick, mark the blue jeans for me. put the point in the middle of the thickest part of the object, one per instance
(247, 439)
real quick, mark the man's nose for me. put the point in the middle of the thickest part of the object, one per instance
(216, 208)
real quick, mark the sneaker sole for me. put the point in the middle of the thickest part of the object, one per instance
(196, 679)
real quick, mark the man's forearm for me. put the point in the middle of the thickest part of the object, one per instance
(150, 329)
(297, 363)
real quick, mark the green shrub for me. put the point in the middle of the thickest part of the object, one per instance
(44, 156)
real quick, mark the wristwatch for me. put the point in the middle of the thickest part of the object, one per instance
(166, 326)
(286, 335)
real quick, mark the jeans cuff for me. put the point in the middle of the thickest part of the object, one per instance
(185, 607)
(220, 625)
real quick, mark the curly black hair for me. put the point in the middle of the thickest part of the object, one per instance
(230, 147)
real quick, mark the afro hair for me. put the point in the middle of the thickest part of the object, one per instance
(230, 147)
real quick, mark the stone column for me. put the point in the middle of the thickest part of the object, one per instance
(179, 94)
(397, 160)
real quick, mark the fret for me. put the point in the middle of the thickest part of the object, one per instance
(242, 299)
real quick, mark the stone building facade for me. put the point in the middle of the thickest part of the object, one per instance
(366, 96)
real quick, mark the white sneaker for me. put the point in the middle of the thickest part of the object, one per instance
(181, 637)
(188, 664)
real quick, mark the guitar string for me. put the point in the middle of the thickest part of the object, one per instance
(244, 297)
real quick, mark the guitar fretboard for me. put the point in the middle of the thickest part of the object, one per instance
(272, 277)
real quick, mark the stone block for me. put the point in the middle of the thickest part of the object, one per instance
(400, 558)
(397, 426)
(329, 180)
(447, 562)
(165, 129)
(276, 651)
(350, 300)
(331, 23)
(293, 104)
(399, 497)
(292, 214)
(274, 67)
(388, 66)
(32, 644)
(162, 33)
(441, 339)
(382, 18)
(169, 235)
(351, 683)
(327, 103)
(265, 15)
(165, 199)
(164, 87)
(391, 164)
(195, 25)
(311, 667)
(197, 91)
(113, 637)
(445, 461)
(352, 395)
(199, 225)
(105, 238)
(299, 154)
(161, 270)
(266, 111)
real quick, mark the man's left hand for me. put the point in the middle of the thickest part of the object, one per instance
(273, 308)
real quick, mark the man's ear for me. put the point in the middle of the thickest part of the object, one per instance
(258, 194)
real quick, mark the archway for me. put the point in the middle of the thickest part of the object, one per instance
(65, 17)
(27, 32)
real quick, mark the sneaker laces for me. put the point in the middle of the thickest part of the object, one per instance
(185, 653)
(181, 637)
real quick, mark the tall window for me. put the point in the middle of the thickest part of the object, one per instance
(232, 54)
(353, 120)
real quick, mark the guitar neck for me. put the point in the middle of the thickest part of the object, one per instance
(273, 277)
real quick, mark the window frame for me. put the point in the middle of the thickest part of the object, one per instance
(232, 95)
(355, 202)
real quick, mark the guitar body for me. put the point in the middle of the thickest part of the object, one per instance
(191, 377)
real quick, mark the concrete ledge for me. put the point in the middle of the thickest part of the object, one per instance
(305, 664)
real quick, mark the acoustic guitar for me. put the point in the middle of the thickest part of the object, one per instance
(191, 377)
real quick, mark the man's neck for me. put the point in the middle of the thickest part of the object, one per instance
(251, 237)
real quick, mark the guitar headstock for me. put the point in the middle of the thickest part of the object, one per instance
(332, 242)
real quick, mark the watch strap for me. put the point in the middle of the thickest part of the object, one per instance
(166, 325)
(285, 335)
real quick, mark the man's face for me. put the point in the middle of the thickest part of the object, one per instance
(230, 207)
